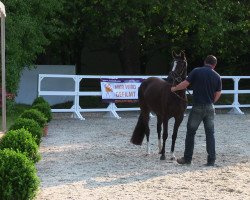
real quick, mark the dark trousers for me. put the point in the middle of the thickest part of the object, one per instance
(198, 114)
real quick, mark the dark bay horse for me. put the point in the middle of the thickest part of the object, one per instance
(155, 96)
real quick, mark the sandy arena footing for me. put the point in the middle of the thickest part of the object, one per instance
(93, 160)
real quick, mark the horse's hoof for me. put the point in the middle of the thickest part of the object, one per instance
(172, 158)
(163, 157)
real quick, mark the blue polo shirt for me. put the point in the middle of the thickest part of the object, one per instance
(204, 82)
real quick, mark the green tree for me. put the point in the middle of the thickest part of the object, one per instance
(117, 26)
(222, 28)
(74, 26)
(137, 30)
(30, 25)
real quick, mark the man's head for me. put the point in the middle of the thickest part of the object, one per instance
(211, 60)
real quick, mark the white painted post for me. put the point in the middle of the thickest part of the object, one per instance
(3, 15)
(76, 105)
(112, 110)
(236, 108)
(40, 78)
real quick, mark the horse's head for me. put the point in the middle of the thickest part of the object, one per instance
(179, 67)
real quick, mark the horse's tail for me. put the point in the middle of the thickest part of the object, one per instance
(140, 128)
(139, 132)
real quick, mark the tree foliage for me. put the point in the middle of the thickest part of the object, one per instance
(220, 28)
(135, 30)
(29, 28)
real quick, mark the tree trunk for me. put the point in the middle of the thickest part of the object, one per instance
(78, 60)
(129, 52)
(143, 64)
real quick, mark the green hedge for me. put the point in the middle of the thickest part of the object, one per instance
(22, 141)
(39, 100)
(36, 115)
(31, 125)
(45, 109)
(18, 178)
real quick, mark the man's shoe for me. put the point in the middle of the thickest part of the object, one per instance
(183, 161)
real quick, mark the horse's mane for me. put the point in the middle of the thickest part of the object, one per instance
(169, 80)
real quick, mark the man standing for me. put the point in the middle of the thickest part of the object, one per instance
(206, 84)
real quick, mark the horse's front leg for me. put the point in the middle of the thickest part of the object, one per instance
(164, 138)
(174, 136)
(148, 145)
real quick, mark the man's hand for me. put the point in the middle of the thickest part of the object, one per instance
(173, 89)
(181, 86)
(217, 96)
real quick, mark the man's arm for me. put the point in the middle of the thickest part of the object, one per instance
(181, 86)
(217, 96)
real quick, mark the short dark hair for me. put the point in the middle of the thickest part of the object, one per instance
(211, 60)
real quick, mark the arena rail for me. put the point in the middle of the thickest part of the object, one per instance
(78, 111)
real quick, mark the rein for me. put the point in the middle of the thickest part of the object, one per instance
(178, 80)
(181, 98)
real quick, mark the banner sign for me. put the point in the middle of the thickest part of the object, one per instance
(120, 90)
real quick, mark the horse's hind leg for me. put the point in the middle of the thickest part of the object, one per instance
(147, 130)
(174, 136)
(164, 137)
(159, 122)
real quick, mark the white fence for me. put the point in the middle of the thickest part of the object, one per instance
(112, 108)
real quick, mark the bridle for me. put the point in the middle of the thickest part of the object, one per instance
(177, 77)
